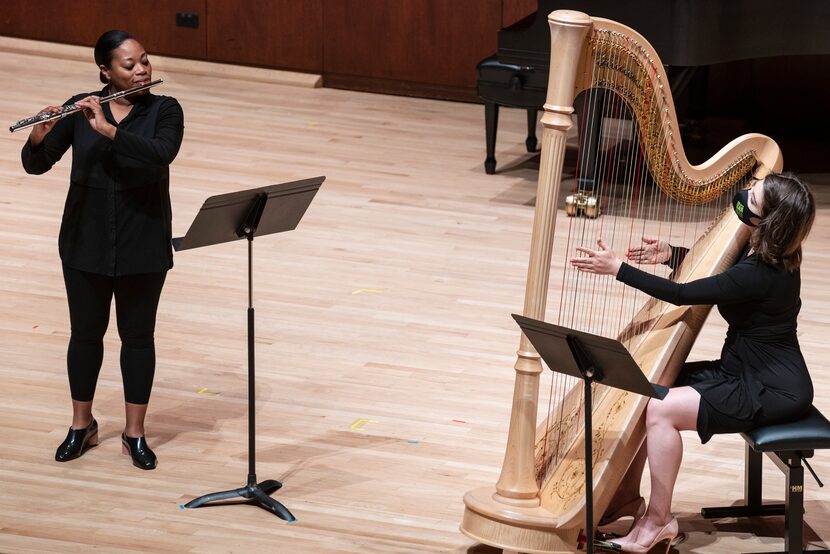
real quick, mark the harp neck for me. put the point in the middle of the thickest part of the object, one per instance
(617, 58)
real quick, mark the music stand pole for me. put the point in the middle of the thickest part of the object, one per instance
(589, 372)
(233, 216)
(251, 367)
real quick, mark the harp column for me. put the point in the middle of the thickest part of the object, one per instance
(517, 484)
(510, 515)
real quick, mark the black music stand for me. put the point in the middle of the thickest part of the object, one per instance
(592, 358)
(233, 216)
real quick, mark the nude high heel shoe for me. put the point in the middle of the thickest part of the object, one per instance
(667, 534)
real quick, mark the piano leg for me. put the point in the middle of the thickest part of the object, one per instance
(531, 129)
(491, 124)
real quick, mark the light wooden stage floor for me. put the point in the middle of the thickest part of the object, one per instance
(384, 339)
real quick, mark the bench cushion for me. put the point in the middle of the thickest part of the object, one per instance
(511, 85)
(809, 433)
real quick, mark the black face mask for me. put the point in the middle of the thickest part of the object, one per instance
(741, 204)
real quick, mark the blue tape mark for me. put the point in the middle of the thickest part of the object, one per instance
(181, 506)
(411, 442)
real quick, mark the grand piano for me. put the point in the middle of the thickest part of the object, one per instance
(689, 36)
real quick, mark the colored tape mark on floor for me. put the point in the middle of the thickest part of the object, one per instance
(205, 392)
(360, 291)
(358, 424)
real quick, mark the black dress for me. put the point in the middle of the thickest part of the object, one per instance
(761, 377)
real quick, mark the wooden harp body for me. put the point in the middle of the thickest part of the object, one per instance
(538, 503)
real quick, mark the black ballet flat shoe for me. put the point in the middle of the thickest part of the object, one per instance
(136, 447)
(77, 442)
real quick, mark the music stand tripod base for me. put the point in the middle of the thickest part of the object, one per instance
(256, 492)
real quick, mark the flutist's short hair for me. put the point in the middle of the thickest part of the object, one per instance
(106, 45)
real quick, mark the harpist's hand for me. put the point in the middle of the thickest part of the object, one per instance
(602, 261)
(652, 251)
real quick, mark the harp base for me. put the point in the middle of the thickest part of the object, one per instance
(527, 530)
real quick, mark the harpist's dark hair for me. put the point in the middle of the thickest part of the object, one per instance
(789, 211)
(105, 46)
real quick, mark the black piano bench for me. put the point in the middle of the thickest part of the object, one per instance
(514, 86)
(787, 445)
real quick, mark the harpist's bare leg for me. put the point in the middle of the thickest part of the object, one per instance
(629, 489)
(664, 421)
(627, 501)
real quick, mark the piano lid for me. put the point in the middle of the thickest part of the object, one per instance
(687, 32)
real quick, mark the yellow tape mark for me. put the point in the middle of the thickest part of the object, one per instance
(358, 424)
(205, 392)
(358, 291)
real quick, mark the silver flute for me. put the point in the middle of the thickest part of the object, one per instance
(72, 108)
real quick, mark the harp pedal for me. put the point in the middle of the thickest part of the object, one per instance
(582, 203)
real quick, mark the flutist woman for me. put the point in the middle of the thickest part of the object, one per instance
(115, 233)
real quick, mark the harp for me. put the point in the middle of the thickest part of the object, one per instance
(538, 503)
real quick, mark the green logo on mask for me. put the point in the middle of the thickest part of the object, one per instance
(739, 207)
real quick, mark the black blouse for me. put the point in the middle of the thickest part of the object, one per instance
(117, 217)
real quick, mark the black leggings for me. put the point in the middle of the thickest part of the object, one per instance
(136, 303)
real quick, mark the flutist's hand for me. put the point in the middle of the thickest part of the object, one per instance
(652, 251)
(94, 114)
(42, 129)
(602, 261)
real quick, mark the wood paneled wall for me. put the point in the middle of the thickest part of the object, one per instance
(434, 42)
(82, 22)
(514, 10)
(268, 33)
(420, 47)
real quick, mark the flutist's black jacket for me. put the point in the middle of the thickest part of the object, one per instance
(116, 220)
